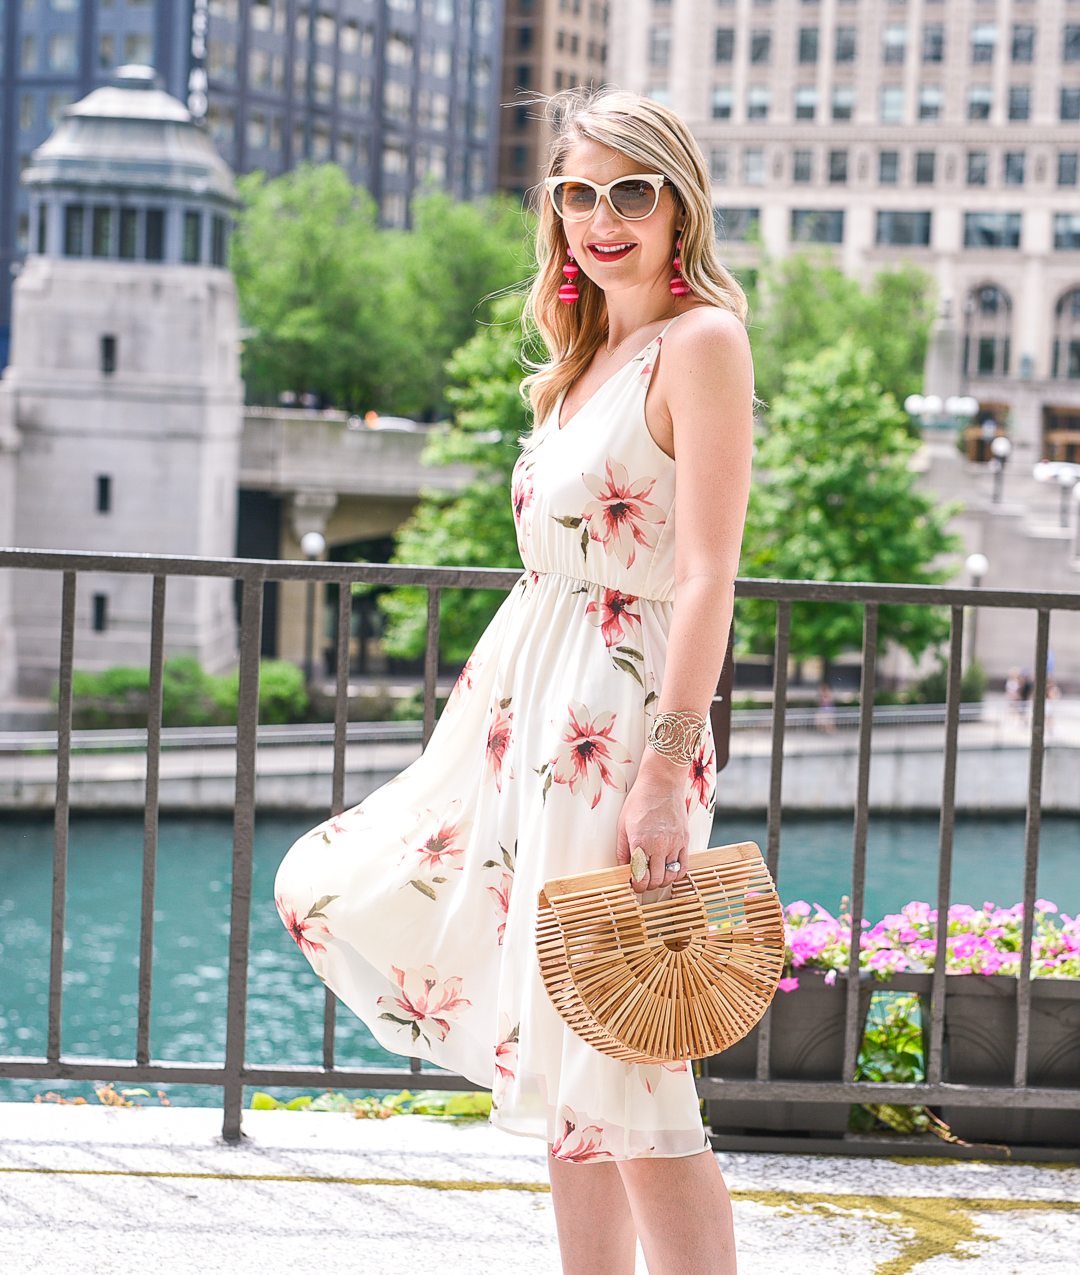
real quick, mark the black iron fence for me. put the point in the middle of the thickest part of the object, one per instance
(234, 1074)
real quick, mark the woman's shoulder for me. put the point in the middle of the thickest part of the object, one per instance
(706, 338)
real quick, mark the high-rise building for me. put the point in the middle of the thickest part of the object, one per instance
(399, 92)
(548, 45)
(943, 132)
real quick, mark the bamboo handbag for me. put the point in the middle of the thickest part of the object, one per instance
(684, 977)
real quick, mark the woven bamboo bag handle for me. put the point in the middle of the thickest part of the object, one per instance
(683, 977)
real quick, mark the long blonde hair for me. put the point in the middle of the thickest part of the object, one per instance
(658, 140)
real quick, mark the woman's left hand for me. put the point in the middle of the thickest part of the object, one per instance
(654, 817)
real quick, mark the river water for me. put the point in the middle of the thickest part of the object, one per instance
(284, 1010)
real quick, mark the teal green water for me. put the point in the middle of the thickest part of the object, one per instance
(285, 1005)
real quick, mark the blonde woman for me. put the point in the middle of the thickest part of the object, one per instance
(577, 734)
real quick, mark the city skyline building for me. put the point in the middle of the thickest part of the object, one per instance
(944, 134)
(401, 93)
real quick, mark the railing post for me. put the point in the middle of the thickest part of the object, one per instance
(247, 722)
(62, 813)
(431, 660)
(150, 816)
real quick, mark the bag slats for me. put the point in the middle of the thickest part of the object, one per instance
(677, 978)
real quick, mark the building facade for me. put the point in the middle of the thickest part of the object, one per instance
(942, 133)
(399, 92)
(548, 45)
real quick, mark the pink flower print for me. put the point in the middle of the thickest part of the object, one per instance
(701, 772)
(620, 518)
(506, 1052)
(299, 928)
(578, 1145)
(650, 1074)
(613, 615)
(498, 742)
(588, 754)
(425, 1000)
(441, 844)
(501, 894)
(521, 497)
(464, 681)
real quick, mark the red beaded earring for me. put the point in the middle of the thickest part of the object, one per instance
(568, 293)
(678, 285)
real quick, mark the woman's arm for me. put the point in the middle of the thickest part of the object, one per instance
(704, 392)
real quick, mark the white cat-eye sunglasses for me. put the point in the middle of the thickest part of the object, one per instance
(632, 198)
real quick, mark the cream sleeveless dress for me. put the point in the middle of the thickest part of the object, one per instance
(418, 907)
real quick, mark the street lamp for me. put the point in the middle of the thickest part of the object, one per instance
(976, 565)
(312, 545)
(1001, 449)
(1066, 481)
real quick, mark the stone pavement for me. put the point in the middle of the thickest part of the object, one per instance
(98, 1191)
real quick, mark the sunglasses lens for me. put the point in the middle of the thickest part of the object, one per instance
(573, 200)
(633, 199)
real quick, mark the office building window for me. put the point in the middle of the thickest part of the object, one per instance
(802, 167)
(74, 220)
(258, 131)
(106, 52)
(155, 234)
(894, 44)
(43, 225)
(99, 617)
(888, 167)
(758, 98)
(103, 503)
(1019, 102)
(845, 44)
(843, 103)
(805, 103)
(1013, 171)
(1067, 232)
(760, 46)
(108, 354)
(754, 167)
(718, 165)
(987, 329)
(808, 44)
(924, 168)
(1067, 336)
(659, 45)
(129, 234)
(838, 167)
(101, 231)
(721, 103)
(991, 230)
(192, 250)
(978, 168)
(221, 61)
(892, 104)
(138, 48)
(933, 42)
(1066, 169)
(1071, 48)
(62, 55)
(816, 225)
(54, 107)
(725, 44)
(1023, 42)
(980, 99)
(1069, 108)
(983, 40)
(28, 54)
(736, 223)
(904, 229)
(930, 100)
(219, 240)
(320, 143)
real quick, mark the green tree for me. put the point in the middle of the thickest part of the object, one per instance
(803, 304)
(364, 317)
(836, 500)
(473, 527)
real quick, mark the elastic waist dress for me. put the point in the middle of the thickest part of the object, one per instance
(418, 907)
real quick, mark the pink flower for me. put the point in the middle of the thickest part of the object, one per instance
(798, 908)
(650, 1074)
(621, 518)
(425, 1000)
(521, 494)
(588, 754)
(578, 1145)
(299, 928)
(498, 741)
(613, 616)
(1044, 905)
(830, 978)
(441, 845)
(788, 984)
(501, 894)
(464, 681)
(701, 771)
(506, 1052)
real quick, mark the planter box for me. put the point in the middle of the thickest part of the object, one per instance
(807, 1044)
(980, 1049)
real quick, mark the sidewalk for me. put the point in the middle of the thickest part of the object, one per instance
(94, 1191)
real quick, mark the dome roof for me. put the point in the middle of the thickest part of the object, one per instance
(132, 136)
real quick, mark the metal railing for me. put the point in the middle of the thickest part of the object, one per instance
(234, 1073)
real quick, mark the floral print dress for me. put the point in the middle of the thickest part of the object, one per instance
(418, 907)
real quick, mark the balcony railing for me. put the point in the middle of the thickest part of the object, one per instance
(234, 1073)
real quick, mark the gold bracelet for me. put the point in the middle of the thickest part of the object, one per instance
(677, 736)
